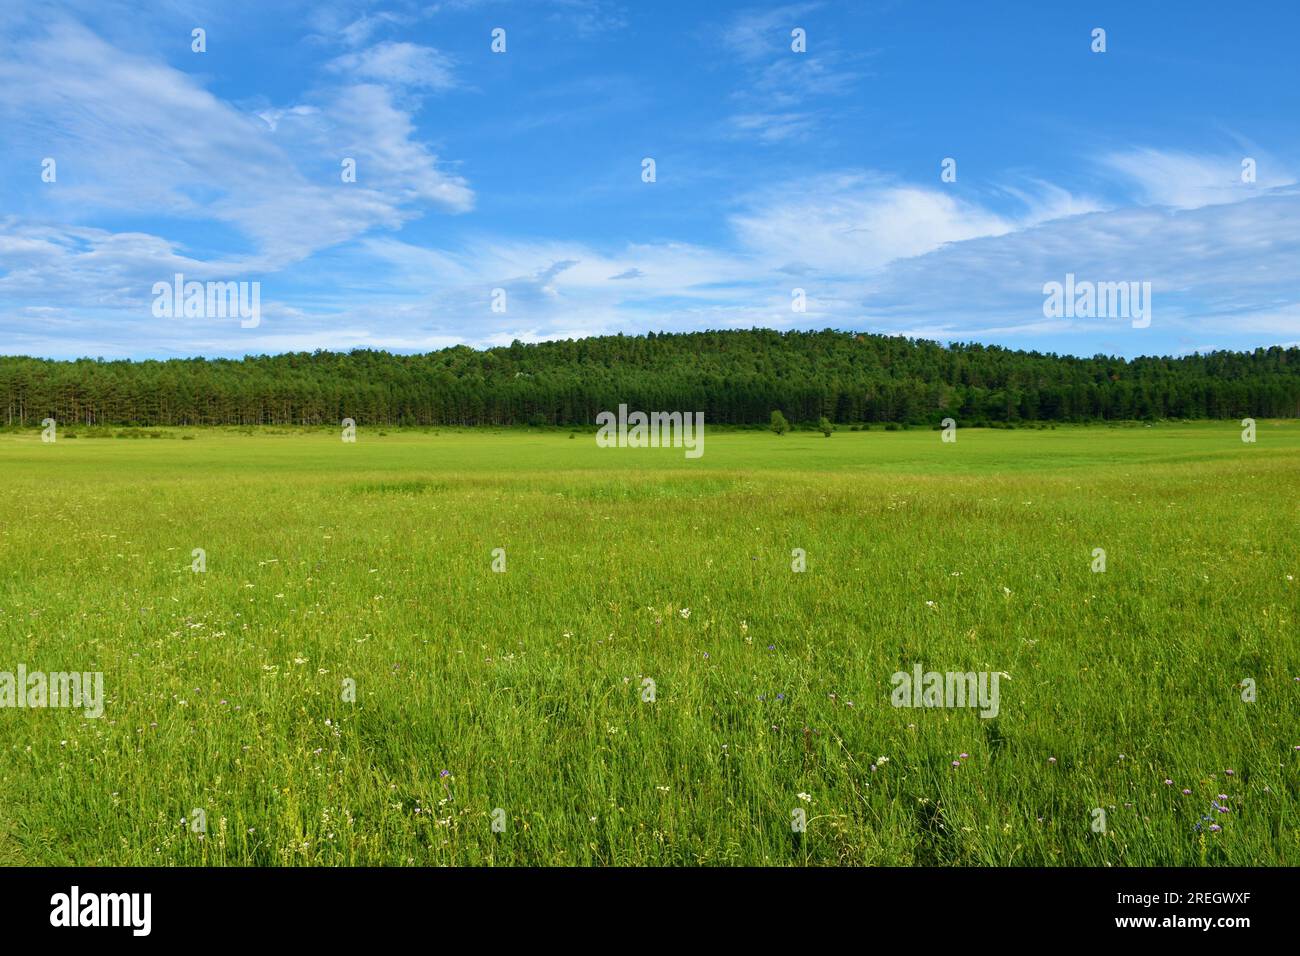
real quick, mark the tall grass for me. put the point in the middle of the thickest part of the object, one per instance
(476, 690)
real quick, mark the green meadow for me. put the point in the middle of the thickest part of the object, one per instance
(349, 681)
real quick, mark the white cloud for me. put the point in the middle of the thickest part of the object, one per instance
(272, 117)
(1188, 181)
(754, 35)
(1216, 271)
(769, 127)
(783, 94)
(134, 136)
(854, 223)
(406, 65)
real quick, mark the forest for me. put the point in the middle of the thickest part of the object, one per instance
(735, 377)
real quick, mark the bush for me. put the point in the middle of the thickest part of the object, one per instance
(825, 425)
(779, 424)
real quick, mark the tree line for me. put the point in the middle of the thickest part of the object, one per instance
(736, 377)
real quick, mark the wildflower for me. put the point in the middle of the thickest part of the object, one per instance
(685, 613)
(881, 761)
(1228, 772)
(444, 773)
(963, 756)
(1051, 760)
(805, 797)
(1215, 828)
(1186, 792)
(1168, 782)
(956, 763)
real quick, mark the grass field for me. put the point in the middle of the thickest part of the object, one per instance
(372, 562)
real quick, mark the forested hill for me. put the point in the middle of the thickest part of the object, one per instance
(734, 377)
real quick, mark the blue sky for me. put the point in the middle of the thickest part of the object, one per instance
(522, 171)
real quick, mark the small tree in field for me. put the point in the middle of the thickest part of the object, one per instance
(825, 425)
(779, 424)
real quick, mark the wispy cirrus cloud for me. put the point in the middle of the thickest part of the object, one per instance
(785, 95)
(756, 35)
(403, 65)
(1183, 180)
(137, 137)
